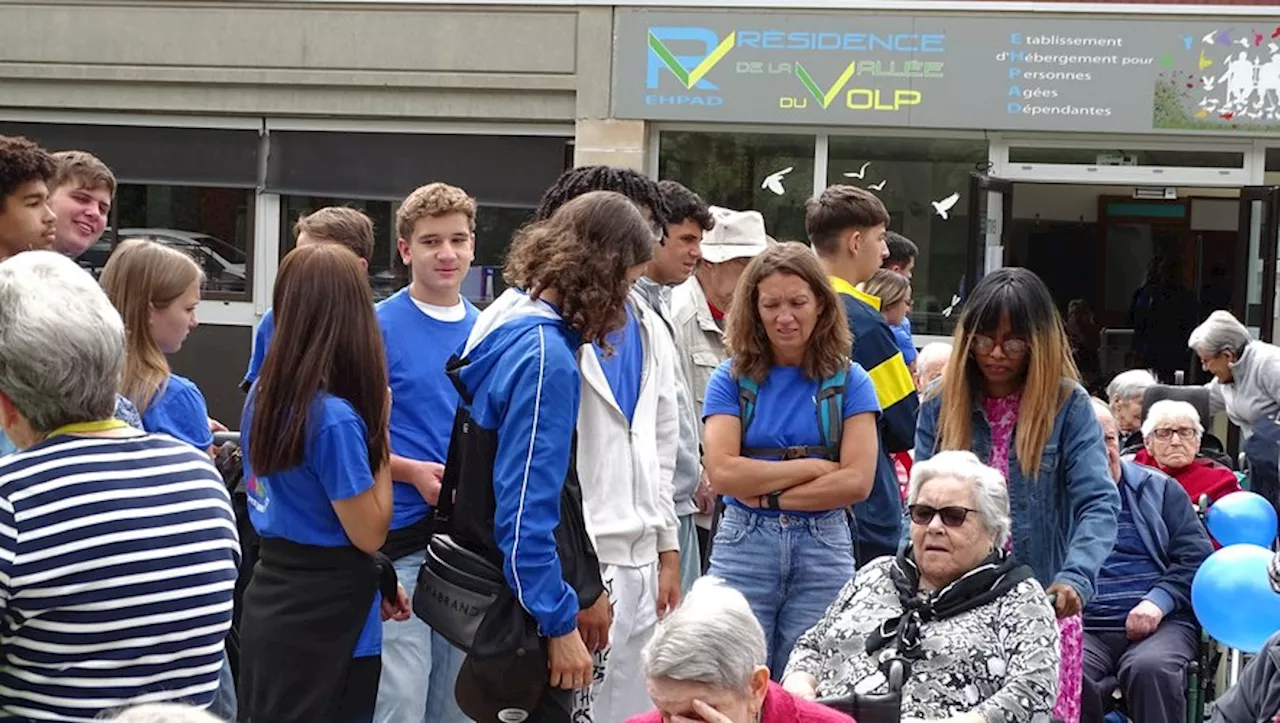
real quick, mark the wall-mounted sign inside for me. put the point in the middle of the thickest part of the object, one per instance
(996, 72)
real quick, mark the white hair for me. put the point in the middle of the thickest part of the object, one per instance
(61, 341)
(164, 713)
(1130, 385)
(990, 492)
(1220, 333)
(938, 352)
(1171, 410)
(712, 638)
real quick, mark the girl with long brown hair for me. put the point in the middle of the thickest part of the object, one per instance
(772, 449)
(1011, 395)
(156, 289)
(317, 455)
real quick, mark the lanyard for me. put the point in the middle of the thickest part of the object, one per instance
(104, 425)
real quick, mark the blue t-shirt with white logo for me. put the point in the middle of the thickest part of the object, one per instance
(296, 504)
(624, 368)
(786, 405)
(423, 400)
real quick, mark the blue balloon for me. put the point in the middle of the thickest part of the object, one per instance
(1233, 599)
(1242, 518)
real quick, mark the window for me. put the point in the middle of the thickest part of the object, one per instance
(495, 225)
(213, 225)
(918, 180)
(769, 173)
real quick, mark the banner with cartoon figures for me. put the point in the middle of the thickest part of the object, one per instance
(975, 72)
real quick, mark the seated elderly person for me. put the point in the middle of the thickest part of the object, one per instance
(1171, 433)
(1139, 629)
(931, 363)
(118, 551)
(971, 623)
(706, 662)
(1124, 394)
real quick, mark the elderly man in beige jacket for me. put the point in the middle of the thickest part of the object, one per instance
(698, 307)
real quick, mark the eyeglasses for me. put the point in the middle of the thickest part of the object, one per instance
(951, 516)
(1165, 434)
(1013, 348)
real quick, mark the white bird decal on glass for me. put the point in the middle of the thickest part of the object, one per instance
(944, 206)
(954, 300)
(861, 171)
(1208, 83)
(1208, 39)
(878, 186)
(773, 181)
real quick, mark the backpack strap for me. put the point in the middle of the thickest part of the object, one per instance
(830, 413)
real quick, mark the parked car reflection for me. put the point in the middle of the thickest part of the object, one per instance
(223, 264)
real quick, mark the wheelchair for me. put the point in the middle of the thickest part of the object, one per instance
(1210, 446)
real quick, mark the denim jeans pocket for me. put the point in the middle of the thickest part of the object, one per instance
(833, 532)
(732, 530)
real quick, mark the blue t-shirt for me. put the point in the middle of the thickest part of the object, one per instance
(625, 366)
(296, 504)
(423, 400)
(907, 345)
(179, 410)
(786, 412)
(1128, 575)
(261, 340)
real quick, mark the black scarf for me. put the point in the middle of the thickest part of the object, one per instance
(999, 573)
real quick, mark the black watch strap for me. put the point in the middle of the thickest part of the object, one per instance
(772, 500)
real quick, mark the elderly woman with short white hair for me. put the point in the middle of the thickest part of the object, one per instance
(1246, 372)
(1171, 434)
(1124, 396)
(971, 624)
(706, 662)
(118, 549)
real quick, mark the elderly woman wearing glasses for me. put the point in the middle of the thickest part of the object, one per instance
(971, 625)
(1172, 434)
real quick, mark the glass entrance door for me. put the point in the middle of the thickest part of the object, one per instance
(1254, 293)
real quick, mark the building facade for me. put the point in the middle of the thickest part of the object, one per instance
(1083, 140)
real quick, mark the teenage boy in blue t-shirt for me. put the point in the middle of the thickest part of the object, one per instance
(423, 325)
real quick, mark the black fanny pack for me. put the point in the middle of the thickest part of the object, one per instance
(456, 590)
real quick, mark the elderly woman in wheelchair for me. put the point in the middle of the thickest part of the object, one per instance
(1171, 434)
(967, 625)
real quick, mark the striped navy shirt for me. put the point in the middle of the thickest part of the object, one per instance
(118, 560)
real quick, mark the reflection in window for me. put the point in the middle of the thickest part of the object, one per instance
(495, 226)
(213, 225)
(917, 179)
(772, 174)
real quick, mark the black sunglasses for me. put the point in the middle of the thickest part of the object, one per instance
(951, 516)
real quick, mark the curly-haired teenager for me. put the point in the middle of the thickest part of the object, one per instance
(26, 219)
(629, 453)
(787, 478)
(517, 500)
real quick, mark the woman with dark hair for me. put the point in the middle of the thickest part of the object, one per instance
(314, 432)
(790, 442)
(1012, 396)
(517, 502)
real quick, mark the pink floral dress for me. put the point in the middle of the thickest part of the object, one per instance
(1002, 415)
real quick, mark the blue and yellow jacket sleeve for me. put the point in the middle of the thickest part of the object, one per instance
(876, 349)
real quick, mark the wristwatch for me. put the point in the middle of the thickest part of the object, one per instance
(771, 500)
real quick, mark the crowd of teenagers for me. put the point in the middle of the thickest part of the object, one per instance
(677, 471)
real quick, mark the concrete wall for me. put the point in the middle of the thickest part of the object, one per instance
(378, 61)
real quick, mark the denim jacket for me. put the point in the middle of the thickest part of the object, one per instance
(1064, 519)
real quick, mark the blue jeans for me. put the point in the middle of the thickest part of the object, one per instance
(418, 666)
(790, 568)
(224, 701)
(690, 554)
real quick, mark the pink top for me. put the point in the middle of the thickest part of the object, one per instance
(779, 707)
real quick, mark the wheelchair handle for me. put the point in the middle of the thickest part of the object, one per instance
(221, 438)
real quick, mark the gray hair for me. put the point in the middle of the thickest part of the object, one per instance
(1103, 412)
(938, 352)
(712, 638)
(61, 341)
(990, 493)
(164, 713)
(1220, 333)
(1171, 410)
(1129, 385)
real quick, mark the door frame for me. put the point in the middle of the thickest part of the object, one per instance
(981, 188)
(1268, 222)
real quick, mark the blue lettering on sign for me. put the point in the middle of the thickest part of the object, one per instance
(1015, 108)
(706, 41)
(705, 101)
(846, 42)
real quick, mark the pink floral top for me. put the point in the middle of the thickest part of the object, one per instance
(1002, 417)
